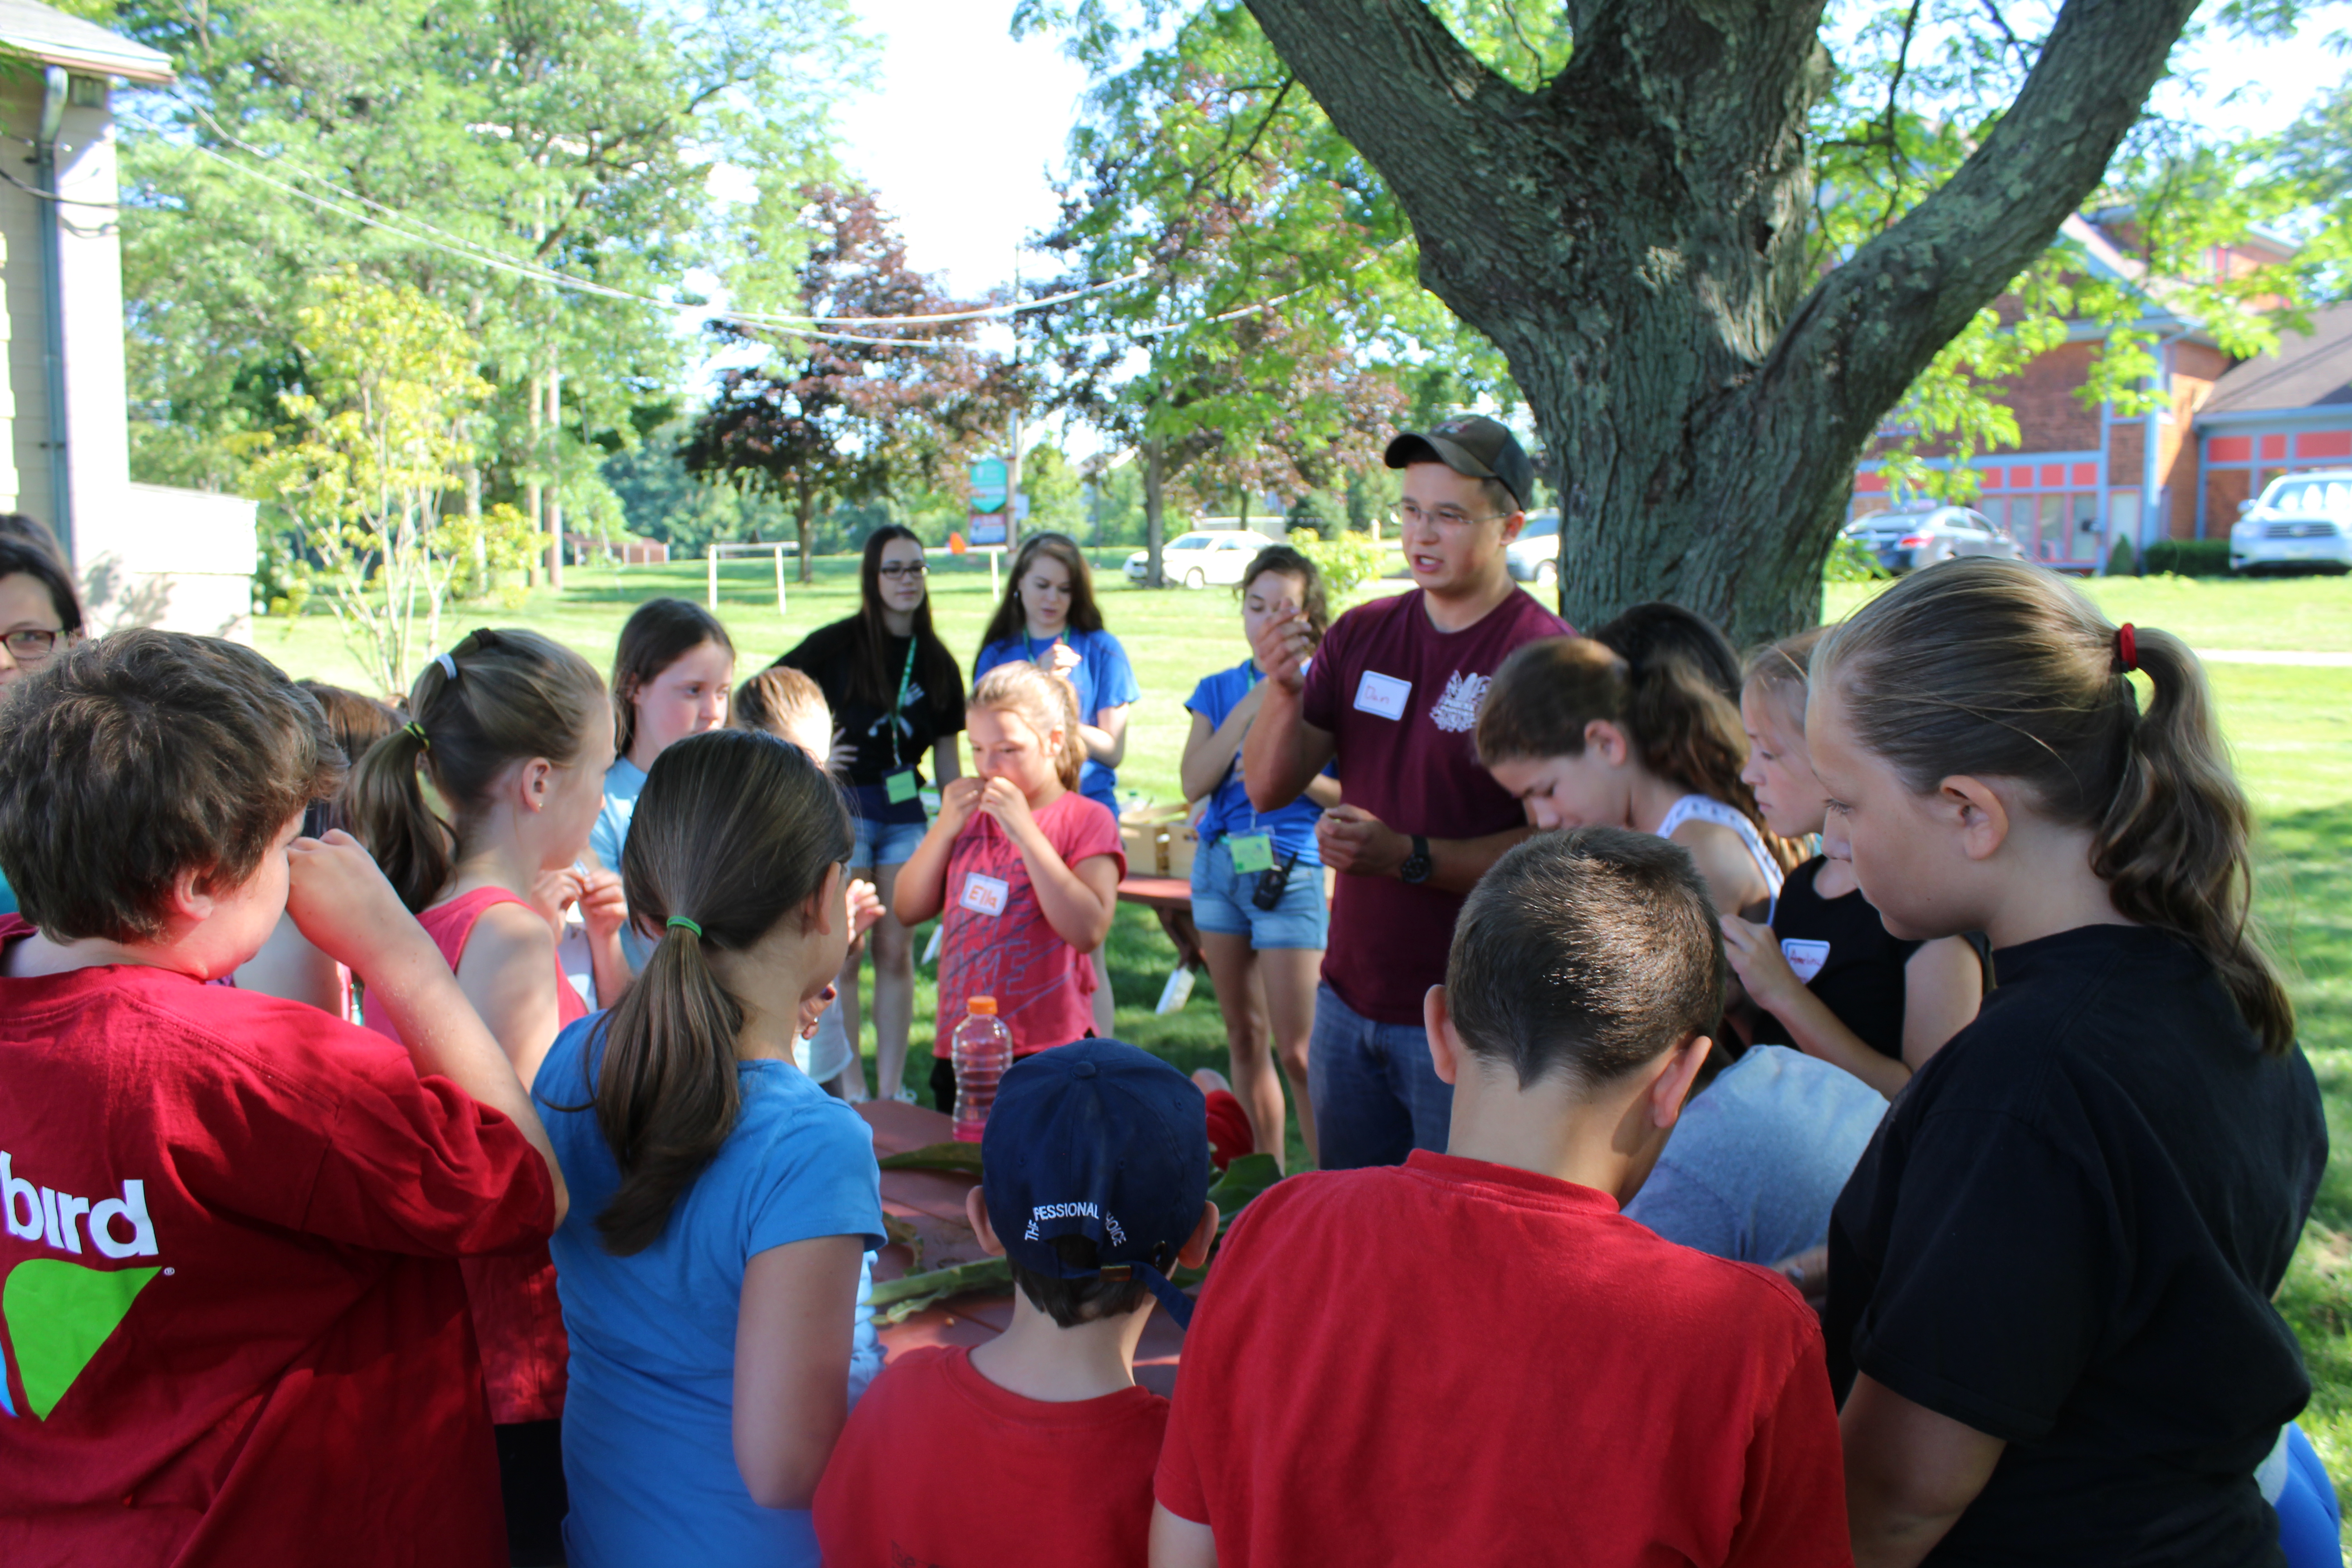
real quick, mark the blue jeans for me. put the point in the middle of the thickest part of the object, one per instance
(1376, 1096)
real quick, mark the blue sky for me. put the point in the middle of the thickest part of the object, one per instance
(963, 124)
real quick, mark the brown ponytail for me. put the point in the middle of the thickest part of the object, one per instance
(515, 695)
(2002, 670)
(1671, 708)
(735, 831)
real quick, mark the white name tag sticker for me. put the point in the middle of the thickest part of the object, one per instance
(1382, 694)
(1805, 957)
(985, 895)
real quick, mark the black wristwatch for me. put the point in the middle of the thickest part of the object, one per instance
(1417, 866)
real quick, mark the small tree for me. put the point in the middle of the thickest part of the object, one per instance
(374, 441)
(832, 419)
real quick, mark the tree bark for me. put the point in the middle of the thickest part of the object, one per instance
(555, 544)
(531, 489)
(1155, 532)
(1632, 236)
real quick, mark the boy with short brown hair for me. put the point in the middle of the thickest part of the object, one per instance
(1476, 1357)
(235, 1326)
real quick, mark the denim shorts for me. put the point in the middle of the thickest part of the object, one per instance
(884, 843)
(1220, 902)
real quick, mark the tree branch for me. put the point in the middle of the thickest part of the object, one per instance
(1873, 324)
(1399, 85)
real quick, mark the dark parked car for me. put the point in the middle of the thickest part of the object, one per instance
(1913, 537)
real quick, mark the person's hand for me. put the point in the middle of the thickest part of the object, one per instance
(959, 798)
(1005, 802)
(866, 909)
(1355, 843)
(1246, 708)
(843, 756)
(1283, 647)
(603, 904)
(1065, 658)
(339, 901)
(1756, 959)
(813, 1009)
(1809, 1271)
(553, 893)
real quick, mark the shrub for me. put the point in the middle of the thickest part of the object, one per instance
(2189, 557)
(1347, 562)
(2123, 561)
(1850, 562)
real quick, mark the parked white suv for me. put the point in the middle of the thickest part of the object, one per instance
(2300, 519)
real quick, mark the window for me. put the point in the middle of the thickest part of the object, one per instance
(1192, 542)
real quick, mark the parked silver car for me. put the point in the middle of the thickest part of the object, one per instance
(1911, 537)
(1534, 555)
(2300, 519)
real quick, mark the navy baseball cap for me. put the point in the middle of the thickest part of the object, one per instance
(1100, 1139)
(1473, 445)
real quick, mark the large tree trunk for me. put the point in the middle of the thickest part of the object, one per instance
(1155, 531)
(1631, 236)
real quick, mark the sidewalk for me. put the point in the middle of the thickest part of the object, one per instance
(2266, 656)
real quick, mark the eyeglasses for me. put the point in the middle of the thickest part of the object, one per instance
(1445, 516)
(904, 569)
(31, 644)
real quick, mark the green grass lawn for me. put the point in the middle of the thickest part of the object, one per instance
(2290, 729)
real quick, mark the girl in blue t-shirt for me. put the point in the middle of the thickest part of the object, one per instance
(1257, 881)
(1048, 617)
(722, 1204)
(671, 672)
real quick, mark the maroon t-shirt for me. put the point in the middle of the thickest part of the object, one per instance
(1400, 698)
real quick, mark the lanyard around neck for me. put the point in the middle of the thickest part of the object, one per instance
(899, 706)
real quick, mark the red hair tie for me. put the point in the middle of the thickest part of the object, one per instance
(2126, 649)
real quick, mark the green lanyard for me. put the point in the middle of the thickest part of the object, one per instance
(899, 705)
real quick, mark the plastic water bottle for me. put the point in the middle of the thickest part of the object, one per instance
(980, 1048)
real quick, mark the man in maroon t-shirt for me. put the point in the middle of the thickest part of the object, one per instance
(1392, 694)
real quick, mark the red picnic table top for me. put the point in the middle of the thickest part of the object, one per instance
(932, 1202)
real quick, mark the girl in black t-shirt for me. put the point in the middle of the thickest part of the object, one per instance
(896, 693)
(2050, 1277)
(1825, 976)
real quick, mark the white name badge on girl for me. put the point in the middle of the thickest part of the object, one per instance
(985, 895)
(1805, 957)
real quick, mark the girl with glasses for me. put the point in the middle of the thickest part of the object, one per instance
(40, 614)
(896, 693)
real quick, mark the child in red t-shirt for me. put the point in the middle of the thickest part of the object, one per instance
(1026, 868)
(235, 1329)
(1474, 1357)
(1038, 1446)
(514, 731)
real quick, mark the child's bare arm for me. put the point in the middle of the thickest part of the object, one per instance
(508, 971)
(1077, 902)
(1179, 1542)
(922, 886)
(792, 1337)
(340, 901)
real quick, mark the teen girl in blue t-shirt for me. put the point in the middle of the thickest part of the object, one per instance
(1048, 617)
(722, 1202)
(1257, 881)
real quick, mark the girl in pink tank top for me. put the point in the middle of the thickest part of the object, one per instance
(511, 734)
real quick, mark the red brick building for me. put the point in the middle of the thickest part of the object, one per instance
(2083, 476)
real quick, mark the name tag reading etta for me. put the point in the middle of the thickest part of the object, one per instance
(1382, 694)
(1805, 957)
(985, 895)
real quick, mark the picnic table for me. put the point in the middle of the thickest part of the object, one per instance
(1170, 899)
(932, 1204)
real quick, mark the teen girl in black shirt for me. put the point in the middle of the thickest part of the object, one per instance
(2050, 1276)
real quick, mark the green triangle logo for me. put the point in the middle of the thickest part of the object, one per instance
(59, 1314)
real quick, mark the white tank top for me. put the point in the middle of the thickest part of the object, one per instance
(1705, 808)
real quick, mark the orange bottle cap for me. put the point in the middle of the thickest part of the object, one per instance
(981, 1004)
